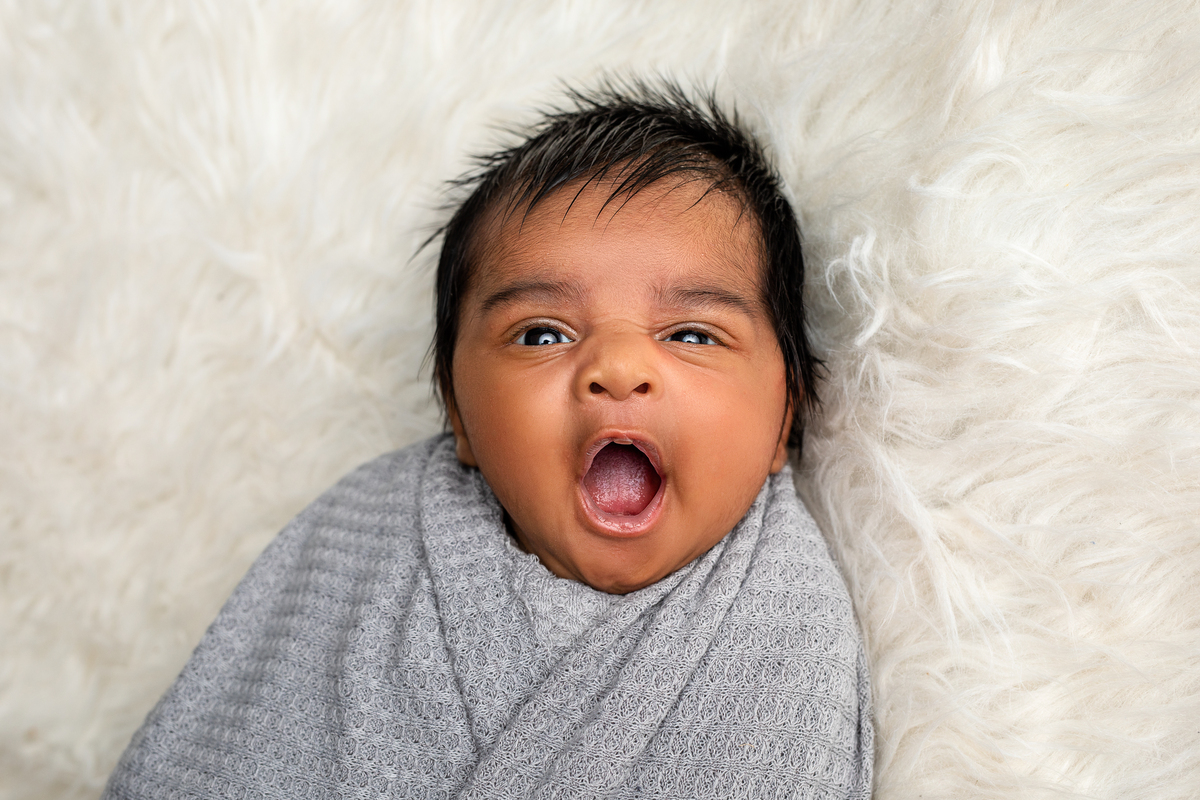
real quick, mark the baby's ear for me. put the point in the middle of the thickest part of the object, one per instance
(462, 447)
(781, 451)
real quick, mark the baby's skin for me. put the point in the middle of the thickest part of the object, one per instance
(617, 378)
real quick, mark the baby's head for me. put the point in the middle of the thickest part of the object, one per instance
(620, 339)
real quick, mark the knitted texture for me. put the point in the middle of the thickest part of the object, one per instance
(394, 642)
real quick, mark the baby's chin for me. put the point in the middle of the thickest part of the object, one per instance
(604, 576)
(610, 565)
(626, 583)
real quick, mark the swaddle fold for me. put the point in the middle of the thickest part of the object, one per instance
(393, 641)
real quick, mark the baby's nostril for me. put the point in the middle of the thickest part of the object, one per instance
(645, 387)
(596, 388)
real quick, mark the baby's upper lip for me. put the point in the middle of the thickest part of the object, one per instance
(638, 440)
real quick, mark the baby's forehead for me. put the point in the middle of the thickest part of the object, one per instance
(674, 248)
(512, 236)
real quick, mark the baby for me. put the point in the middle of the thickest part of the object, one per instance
(603, 584)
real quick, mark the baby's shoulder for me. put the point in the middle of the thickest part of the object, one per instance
(378, 493)
(368, 516)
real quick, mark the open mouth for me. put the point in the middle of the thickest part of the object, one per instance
(621, 480)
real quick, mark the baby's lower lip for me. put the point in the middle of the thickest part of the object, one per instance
(623, 526)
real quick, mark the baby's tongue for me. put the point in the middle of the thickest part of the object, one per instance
(621, 480)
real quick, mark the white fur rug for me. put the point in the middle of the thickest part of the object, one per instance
(209, 311)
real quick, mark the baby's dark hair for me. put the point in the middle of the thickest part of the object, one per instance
(634, 136)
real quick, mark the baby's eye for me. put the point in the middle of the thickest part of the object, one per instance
(691, 337)
(542, 335)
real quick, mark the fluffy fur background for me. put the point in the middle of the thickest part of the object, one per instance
(209, 311)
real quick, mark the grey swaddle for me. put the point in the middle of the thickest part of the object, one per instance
(394, 642)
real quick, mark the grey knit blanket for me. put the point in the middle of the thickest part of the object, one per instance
(393, 641)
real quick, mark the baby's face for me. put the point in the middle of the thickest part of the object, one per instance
(617, 379)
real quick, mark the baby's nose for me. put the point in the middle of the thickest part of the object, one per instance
(619, 366)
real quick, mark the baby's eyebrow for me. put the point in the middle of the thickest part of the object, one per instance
(707, 297)
(545, 290)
